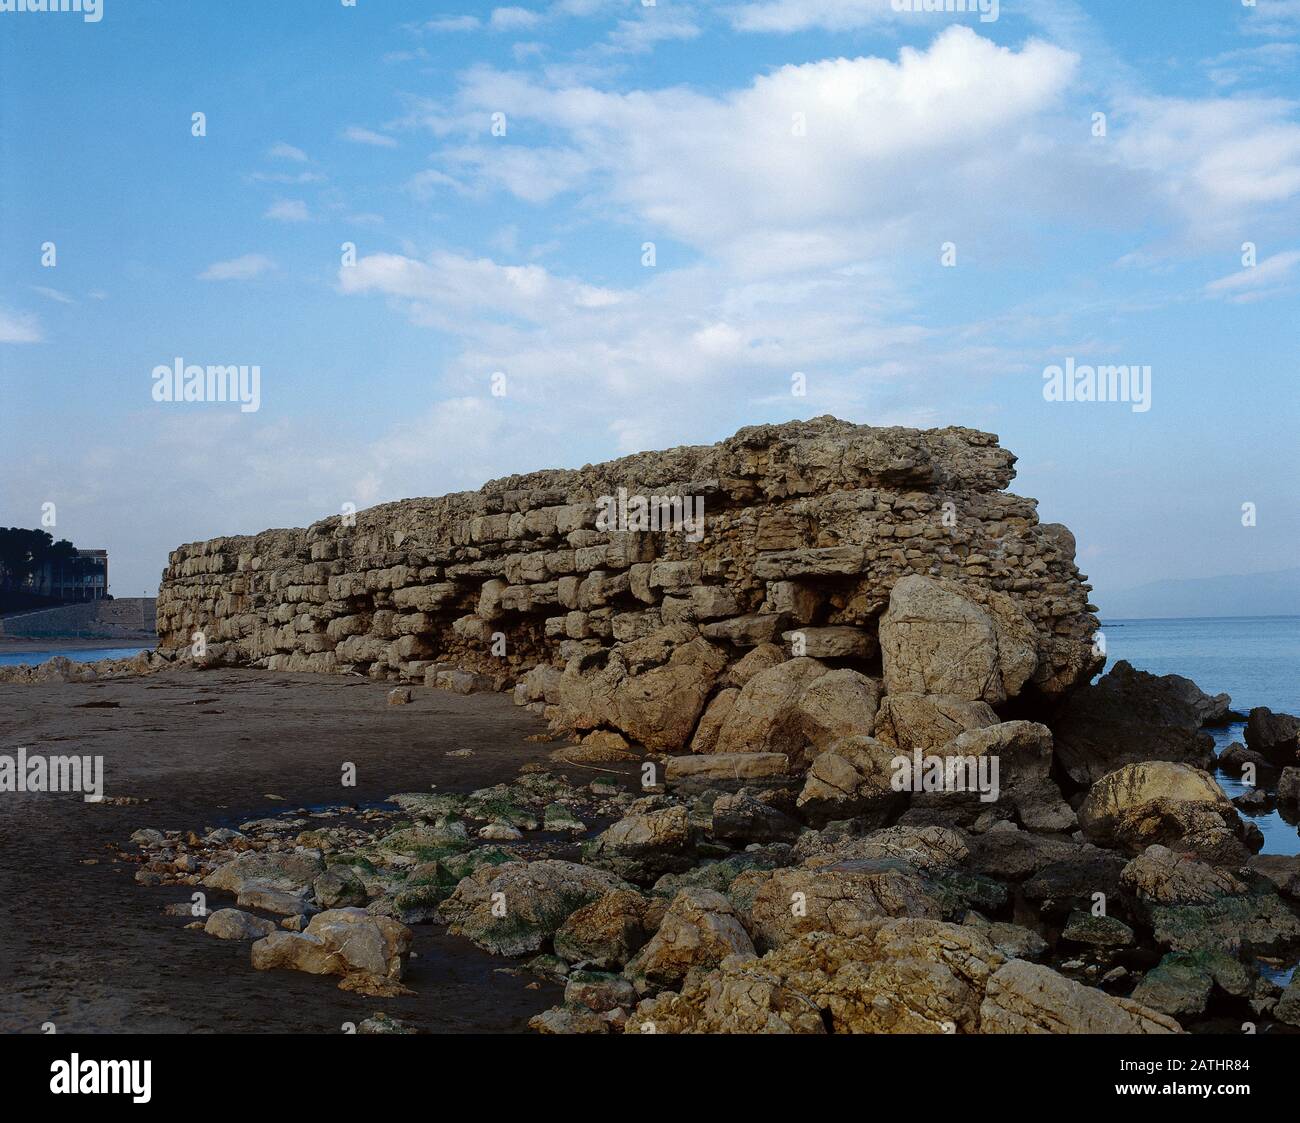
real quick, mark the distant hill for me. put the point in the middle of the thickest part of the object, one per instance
(1253, 594)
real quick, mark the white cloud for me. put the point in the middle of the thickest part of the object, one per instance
(803, 15)
(286, 177)
(282, 151)
(53, 294)
(358, 135)
(19, 327)
(1214, 163)
(886, 144)
(238, 269)
(514, 19)
(1272, 17)
(635, 36)
(1244, 64)
(451, 23)
(1247, 284)
(288, 210)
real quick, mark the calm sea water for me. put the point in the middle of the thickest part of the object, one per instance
(1254, 659)
(77, 655)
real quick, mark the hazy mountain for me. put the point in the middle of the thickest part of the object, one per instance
(1253, 594)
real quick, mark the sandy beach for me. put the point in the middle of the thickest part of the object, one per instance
(88, 949)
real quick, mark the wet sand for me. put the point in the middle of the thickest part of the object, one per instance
(85, 947)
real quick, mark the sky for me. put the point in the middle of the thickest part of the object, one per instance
(459, 241)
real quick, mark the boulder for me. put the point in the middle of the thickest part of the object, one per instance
(761, 658)
(712, 720)
(896, 976)
(661, 707)
(339, 942)
(1166, 877)
(514, 908)
(287, 870)
(761, 718)
(851, 778)
(1180, 985)
(1135, 785)
(725, 767)
(232, 924)
(699, 929)
(1100, 932)
(936, 639)
(1129, 717)
(928, 850)
(839, 897)
(739, 819)
(286, 902)
(1283, 870)
(1288, 788)
(339, 887)
(1022, 751)
(1275, 736)
(929, 721)
(646, 844)
(606, 933)
(1029, 998)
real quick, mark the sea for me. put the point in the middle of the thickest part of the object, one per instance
(1254, 659)
(76, 654)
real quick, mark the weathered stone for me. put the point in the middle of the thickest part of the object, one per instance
(928, 721)
(606, 933)
(853, 777)
(643, 845)
(1096, 931)
(232, 924)
(1129, 717)
(836, 898)
(713, 719)
(1275, 736)
(936, 640)
(514, 908)
(739, 818)
(896, 976)
(270, 870)
(339, 942)
(1134, 785)
(1181, 983)
(838, 642)
(700, 929)
(1030, 998)
(1164, 876)
(726, 766)
(339, 887)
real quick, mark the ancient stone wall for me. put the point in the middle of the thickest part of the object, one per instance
(807, 528)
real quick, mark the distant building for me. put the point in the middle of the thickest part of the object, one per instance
(85, 578)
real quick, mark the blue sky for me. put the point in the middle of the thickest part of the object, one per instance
(798, 165)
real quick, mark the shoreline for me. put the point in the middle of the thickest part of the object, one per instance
(19, 645)
(95, 952)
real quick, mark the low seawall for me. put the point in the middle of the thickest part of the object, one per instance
(806, 528)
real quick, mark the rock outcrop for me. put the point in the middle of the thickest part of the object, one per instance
(749, 595)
